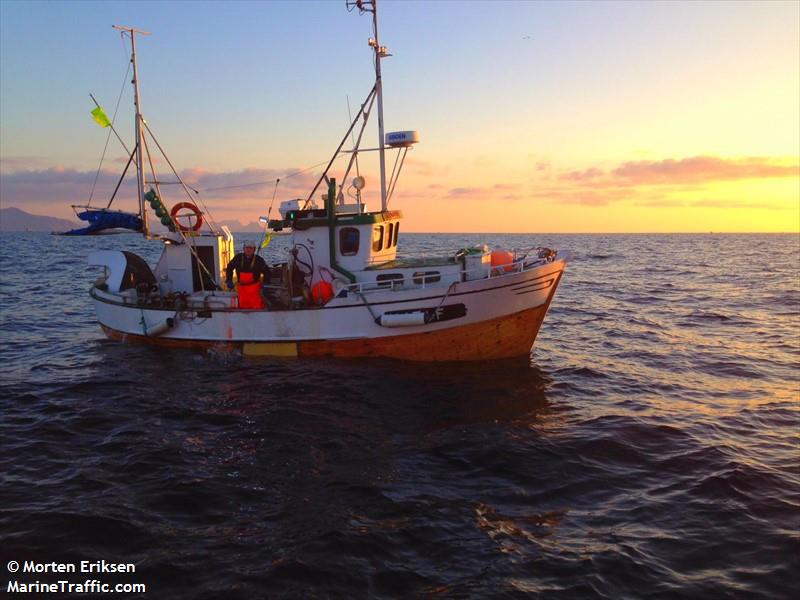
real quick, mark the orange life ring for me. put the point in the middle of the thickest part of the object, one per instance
(197, 214)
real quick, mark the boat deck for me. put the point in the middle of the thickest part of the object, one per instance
(412, 263)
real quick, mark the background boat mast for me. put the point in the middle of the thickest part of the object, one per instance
(139, 129)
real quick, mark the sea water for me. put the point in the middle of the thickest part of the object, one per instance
(647, 448)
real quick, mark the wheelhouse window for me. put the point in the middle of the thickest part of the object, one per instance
(396, 233)
(377, 238)
(348, 241)
(426, 277)
(390, 280)
(389, 232)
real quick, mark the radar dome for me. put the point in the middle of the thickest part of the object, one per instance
(402, 139)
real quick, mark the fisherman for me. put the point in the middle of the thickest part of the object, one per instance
(251, 271)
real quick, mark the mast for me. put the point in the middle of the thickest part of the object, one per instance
(139, 129)
(380, 52)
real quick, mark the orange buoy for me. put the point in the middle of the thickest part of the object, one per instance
(503, 258)
(321, 292)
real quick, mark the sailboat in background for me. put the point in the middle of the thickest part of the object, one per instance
(343, 290)
(105, 220)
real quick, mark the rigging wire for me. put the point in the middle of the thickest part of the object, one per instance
(190, 242)
(146, 150)
(110, 130)
(391, 177)
(396, 177)
(337, 155)
(122, 177)
(269, 212)
(370, 97)
(124, 47)
(257, 183)
(352, 135)
(175, 172)
(274, 193)
(366, 110)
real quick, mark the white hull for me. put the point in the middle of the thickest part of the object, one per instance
(342, 319)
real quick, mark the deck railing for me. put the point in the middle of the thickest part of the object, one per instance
(442, 278)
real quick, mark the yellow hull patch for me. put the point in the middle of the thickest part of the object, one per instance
(284, 349)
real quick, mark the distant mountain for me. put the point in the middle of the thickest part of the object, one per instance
(14, 219)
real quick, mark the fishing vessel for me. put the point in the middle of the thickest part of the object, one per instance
(343, 289)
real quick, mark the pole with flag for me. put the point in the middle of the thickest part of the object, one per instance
(266, 238)
(100, 117)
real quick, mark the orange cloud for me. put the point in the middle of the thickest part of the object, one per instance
(664, 203)
(483, 193)
(587, 175)
(735, 204)
(19, 163)
(699, 169)
(58, 187)
(250, 182)
(424, 168)
(695, 185)
(656, 183)
(466, 191)
(582, 196)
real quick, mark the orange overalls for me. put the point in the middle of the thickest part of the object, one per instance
(250, 292)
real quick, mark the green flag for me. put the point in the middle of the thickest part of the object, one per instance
(266, 241)
(101, 117)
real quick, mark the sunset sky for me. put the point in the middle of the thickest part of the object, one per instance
(534, 117)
